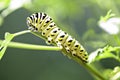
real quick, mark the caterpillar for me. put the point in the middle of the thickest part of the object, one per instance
(43, 24)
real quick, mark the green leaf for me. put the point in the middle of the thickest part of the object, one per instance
(3, 47)
(107, 16)
(4, 4)
(115, 74)
(103, 53)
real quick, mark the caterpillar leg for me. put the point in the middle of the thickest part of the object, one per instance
(59, 45)
(49, 41)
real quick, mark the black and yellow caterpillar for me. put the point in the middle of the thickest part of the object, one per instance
(43, 24)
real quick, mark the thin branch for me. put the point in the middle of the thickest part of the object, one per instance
(31, 46)
(21, 32)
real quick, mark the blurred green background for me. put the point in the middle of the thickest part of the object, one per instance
(77, 17)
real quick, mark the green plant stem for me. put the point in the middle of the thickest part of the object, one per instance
(94, 72)
(21, 32)
(38, 47)
(89, 67)
(31, 46)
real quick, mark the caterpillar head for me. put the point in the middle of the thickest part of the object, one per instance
(32, 22)
(38, 21)
(35, 20)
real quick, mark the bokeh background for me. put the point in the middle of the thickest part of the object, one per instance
(77, 17)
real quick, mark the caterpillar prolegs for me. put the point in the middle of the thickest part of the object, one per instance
(43, 24)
